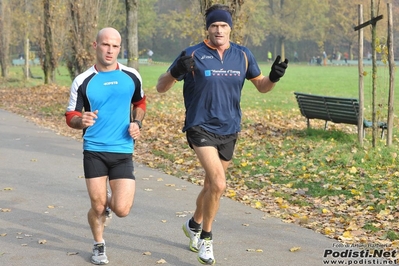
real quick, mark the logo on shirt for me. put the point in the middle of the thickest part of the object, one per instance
(207, 57)
(110, 83)
(222, 72)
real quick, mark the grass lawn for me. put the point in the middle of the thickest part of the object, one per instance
(341, 81)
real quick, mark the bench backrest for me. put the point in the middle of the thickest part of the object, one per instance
(334, 109)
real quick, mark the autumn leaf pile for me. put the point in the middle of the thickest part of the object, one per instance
(361, 207)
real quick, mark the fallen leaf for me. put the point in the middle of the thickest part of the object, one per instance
(72, 253)
(353, 170)
(294, 249)
(180, 161)
(303, 220)
(231, 193)
(279, 200)
(258, 205)
(329, 230)
(161, 261)
(325, 211)
(346, 236)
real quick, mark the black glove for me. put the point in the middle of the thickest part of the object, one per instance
(184, 64)
(278, 69)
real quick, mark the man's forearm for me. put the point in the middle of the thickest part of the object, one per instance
(263, 84)
(138, 114)
(165, 82)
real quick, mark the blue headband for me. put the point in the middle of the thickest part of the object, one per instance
(219, 15)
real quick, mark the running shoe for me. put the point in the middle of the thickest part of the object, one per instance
(98, 257)
(205, 252)
(194, 236)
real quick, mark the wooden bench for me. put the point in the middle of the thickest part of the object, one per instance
(332, 109)
(142, 61)
(21, 62)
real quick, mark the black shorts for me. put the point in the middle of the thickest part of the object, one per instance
(113, 165)
(200, 137)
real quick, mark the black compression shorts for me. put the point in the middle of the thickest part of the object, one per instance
(113, 165)
(200, 137)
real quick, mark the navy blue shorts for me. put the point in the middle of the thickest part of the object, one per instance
(200, 137)
(113, 165)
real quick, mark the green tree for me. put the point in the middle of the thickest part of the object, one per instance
(292, 20)
(23, 30)
(256, 28)
(147, 25)
(112, 14)
(181, 21)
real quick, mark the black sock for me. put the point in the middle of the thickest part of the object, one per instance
(205, 235)
(194, 225)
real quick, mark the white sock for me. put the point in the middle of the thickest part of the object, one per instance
(102, 242)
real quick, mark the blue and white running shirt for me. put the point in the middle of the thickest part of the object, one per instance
(111, 93)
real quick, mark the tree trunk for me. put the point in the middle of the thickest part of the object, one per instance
(391, 60)
(374, 75)
(4, 37)
(275, 48)
(361, 79)
(239, 20)
(49, 63)
(131, 32)
(282, 45)
(27, 57)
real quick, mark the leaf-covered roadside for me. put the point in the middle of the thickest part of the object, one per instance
(319, 180)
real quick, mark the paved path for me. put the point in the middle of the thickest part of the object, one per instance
(43, 199)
